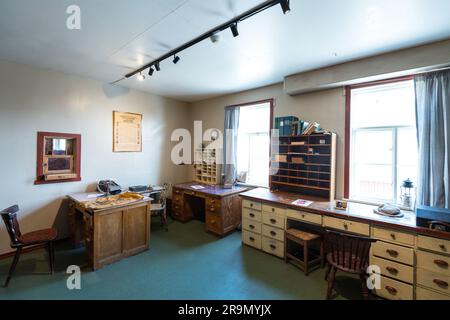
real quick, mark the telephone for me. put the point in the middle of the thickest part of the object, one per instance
(108, 187)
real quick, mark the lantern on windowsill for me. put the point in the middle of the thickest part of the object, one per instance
(407, 193)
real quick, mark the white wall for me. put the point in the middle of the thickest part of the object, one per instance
(33, 99)
(326, 107)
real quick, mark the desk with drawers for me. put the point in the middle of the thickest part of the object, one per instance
(413, 261)
(220, 208)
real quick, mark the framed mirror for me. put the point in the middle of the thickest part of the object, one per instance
(58, 157)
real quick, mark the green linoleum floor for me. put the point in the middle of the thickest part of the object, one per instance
(184, 263)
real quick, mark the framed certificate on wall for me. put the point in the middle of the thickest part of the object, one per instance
(127, 132)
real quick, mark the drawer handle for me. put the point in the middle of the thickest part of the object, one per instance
(273, 247)
(441, 283)
(345, 226)
(251, 239)
(392, 270)
(273, 233)
(392, 253)
(212, 221)
(251, 226)
(273, 221)
(252, 215)
(441, 263)
(251, 205)
(393, 236)
(303, 216)
(212, 209)
(177, 214)
(273, 209)
(391, 290)
(443, 248)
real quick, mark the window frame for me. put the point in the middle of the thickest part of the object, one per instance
(271, 103)
(348, 132)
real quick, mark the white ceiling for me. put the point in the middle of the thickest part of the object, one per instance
(118, 36)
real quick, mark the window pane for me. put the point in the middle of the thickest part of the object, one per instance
(383, 141)
(372, 165)
(254, 144)
(384, 105)
(407, 157)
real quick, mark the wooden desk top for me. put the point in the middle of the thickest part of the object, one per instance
(81, 198)
(211, 190)
(355, 211)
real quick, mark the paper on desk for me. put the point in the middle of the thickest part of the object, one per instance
(302, 203)
(94, 195)
(197, 187)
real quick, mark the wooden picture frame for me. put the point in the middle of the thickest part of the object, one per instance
(127, 132)
(71, 170)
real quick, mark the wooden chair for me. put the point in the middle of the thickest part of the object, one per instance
(20, 241)
(158, 207)
(305, 240)
(347, 253)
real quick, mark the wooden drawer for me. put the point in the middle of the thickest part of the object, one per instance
(273, 247)
(251, 214)
(176, 191)
(433, 280)
(393, 269)
(393, 252)
(251, 204)
(177, 199)
(346, 225)
(251, 225)
(213, 205)
(433, 262)
(213, 223)
(394, 290)
(394, 236)
(270, 209)
(273, 233)
(251, 239)
(425, 294)
(273, 219)
(304, 216)
(177, 207)
(433, 244)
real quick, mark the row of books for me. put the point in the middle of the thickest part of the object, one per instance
(293, 126)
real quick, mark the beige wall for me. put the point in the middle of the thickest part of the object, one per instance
(325, 107)
(33, 99)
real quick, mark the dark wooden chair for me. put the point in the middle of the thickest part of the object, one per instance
(347, 253)
(20, 241)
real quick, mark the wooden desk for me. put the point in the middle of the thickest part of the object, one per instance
(414, 261)
(221, 207)
(109, 234)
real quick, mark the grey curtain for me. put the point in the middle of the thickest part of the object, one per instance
(433, 130)
(231, 126)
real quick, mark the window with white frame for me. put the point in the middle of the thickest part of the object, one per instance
(253, 144)
(383, 141)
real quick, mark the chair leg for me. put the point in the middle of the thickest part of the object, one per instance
(328, 271)
(305, 258)
(331, 279)
(13, 266)
(164, 219)
(51, 256)
(364, 289)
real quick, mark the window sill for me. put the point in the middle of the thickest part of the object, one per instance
(250, 185)
(379, 204)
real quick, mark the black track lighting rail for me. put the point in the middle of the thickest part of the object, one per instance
(229, 24)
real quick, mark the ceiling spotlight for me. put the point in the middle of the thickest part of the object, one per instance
(157, 67)
(285, 6)
(176, 59)
(150, 71)
(215, 38)
(141, 77)
(234, 29)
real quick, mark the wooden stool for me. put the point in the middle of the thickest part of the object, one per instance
(304, 239)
